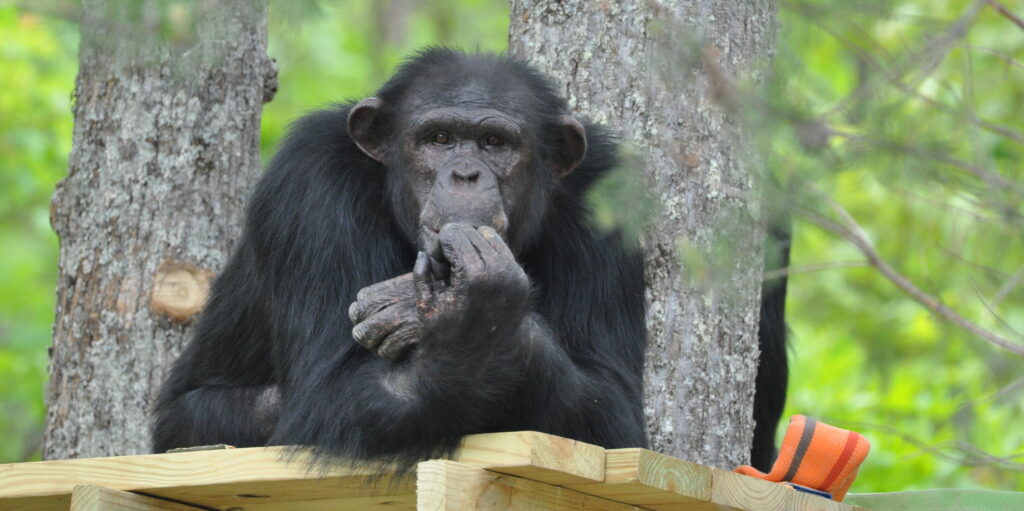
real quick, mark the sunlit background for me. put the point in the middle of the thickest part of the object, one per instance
(901, 112)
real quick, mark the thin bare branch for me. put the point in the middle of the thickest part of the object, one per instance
(946, 205)
(992, 178)
(931, 56)
(808, 268)
(953, 254)
(970, 455)
(1001, 56)
(991, 310)
(893, 77)
(1007, 287)
(1001, 9)
(1009, 390)
(852, 231)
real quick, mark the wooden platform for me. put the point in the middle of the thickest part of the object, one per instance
(501, 471)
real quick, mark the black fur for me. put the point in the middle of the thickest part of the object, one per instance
(773, 367)
(319, 228)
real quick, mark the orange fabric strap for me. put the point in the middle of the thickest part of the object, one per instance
(816, 455)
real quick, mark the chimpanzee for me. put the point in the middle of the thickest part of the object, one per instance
(416, 267)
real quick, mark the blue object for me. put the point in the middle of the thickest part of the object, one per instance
(812, 491)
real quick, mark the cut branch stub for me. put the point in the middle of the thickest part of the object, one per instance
(179, 290)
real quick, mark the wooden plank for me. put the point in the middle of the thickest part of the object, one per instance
(259, 476)
(651, 480)
(450, 486)
(60, 502)
(746, 493)
(375, 503)
(259, 479)
(538, 456)
(221, 478)
(96, 498)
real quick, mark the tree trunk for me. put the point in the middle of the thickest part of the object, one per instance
(652, 69)
(165, 147)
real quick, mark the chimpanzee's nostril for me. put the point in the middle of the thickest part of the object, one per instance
(466, 176)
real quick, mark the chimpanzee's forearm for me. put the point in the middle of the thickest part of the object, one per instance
(238, 416)
(594, 392)
(406, 411)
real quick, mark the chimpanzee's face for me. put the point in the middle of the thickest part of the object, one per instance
(460, 157)
(466, 164)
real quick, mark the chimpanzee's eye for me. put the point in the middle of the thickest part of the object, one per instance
(442, 137)
(493, 140)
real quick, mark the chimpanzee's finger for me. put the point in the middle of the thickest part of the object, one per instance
(441, 270)
(372, 299)
(371, 332)
(422, 281)
(496, 243)
(384, 287)
(488, 258)
(485, 249)
(459, 250)
(395, 345)
(353, 312)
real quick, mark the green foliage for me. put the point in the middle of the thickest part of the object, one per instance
(344, 50)
(38, 60)
(865, 355)
(877, 105)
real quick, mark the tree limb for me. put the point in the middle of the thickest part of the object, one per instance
(851, 231)
(999, 7)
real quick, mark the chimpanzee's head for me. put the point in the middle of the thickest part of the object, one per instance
(473, 138)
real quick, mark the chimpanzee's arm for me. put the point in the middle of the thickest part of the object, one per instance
(482, 361)
(238, 416)
(596, 398)
(459, 377)
(221, 389)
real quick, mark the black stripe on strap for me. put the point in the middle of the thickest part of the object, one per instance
(801, 448)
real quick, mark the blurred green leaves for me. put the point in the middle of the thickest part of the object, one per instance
(38, 59)
(915, 113)
(344, 50)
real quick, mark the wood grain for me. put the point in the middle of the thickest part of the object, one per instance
(96, 498)
(261, 478)
(450, 486)
(646, 478)
(233, 477)
(746, 493)
(538, 456)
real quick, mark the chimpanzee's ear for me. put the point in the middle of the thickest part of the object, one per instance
(572, 145)
(360, 127)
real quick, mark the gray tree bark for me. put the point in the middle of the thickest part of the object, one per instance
(652, 69)
(165, 148)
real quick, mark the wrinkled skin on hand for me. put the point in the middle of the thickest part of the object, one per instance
(384, 316)
(485, 299)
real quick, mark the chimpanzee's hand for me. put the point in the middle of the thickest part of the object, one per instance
(488, 292)
(384, 316)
